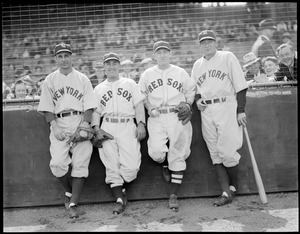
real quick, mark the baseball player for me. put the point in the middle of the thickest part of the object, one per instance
(221, 98)
(119, 101)
(166, 87)
(67, 101)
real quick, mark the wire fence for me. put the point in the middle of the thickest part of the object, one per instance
(30, 32)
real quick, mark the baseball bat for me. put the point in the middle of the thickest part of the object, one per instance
(258, 180)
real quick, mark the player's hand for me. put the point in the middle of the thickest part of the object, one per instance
(241, 118)
(153, 112)
(200, 106)
(140, 132)
(59, 133)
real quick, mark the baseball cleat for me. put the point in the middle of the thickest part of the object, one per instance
(73, 212)
(232, 193)
(166, 174)
(222, 200)
(173, 202)
(67, 202)
(119, 208)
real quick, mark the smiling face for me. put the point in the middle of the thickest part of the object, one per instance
(270, 67)
(286, 56)
(112, 68)
(20, 90)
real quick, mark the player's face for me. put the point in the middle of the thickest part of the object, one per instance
(64, 60)
(162, 56)
(112, 68)
(208, 46)
(270, 67)
(286, 56)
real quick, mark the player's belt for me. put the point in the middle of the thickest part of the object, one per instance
(212, 101)
(65, 114)
(166, 110)
(117, 120)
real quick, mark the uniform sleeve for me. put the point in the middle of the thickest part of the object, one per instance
(141, 84)
(236, 73)
(99, 108)
(194, 78)
(189, 87)
(96, 116)
(89, 99)
(46, 103)
(138, 96)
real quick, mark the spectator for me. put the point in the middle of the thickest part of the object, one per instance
(32, 91)
(39, 85)
(145, 64)
(270, 66)
(287, 63)
(99, 75)
(19, 90)
(264, 46)
(254, 72)
(287, 38)
(127, 72)
(5, 90)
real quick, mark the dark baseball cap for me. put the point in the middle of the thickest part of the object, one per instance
(110, 56)
(62, 47)
(206, 34)
(266, 24)
(160, 45)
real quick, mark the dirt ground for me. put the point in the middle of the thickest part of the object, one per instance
(244, 214)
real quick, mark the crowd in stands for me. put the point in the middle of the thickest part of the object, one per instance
(134, 38)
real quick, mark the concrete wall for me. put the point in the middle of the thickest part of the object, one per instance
(272, 126)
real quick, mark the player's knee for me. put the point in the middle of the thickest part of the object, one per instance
(129, 174)
(157, 155)
(59, 168)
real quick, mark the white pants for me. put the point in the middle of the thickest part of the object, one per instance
(120, 156)
(59, 150)
(167, 127)
(221, 132)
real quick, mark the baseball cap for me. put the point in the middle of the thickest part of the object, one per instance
(160, 45)
(249, 59)
(62, 47)
(206, 34)
(266, 24)
(110, 56)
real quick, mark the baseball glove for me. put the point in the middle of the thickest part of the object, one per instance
(99, 137)
(81, 134)
(184, 112)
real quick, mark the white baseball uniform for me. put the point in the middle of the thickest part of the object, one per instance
(165, 89)
(116, 103)
(218, 80)
(71, 94)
